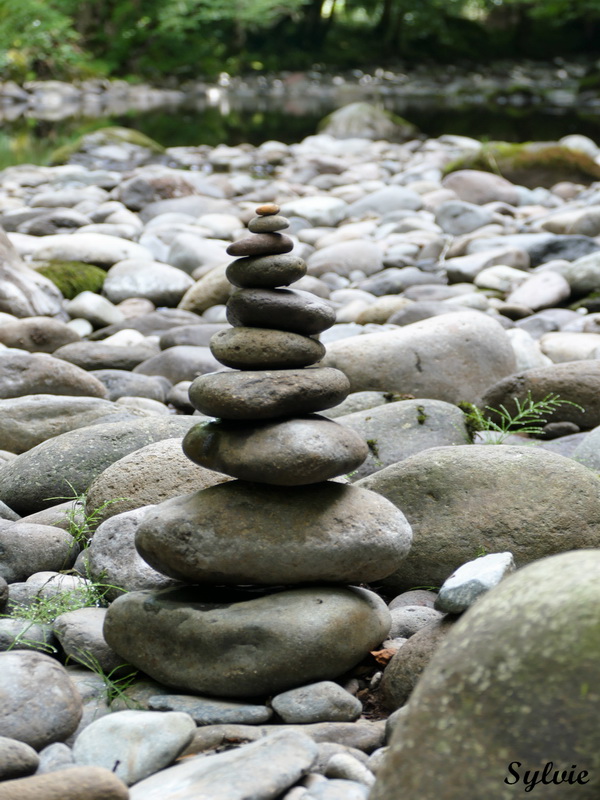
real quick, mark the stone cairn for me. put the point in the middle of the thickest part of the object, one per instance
(264, 560)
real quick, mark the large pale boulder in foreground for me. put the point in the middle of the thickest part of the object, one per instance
(452, 357)
(515, 683)
(526, 500)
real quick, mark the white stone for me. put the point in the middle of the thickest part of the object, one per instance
(472, 580)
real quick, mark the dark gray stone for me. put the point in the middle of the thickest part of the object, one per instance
(229, 645)
(198, 335)
(266, 272)
(17, 759)
(284, 309)
(404, 670)
(263, 348)
(267, 394)
(261, 244)
(211, 711)
(289, 452)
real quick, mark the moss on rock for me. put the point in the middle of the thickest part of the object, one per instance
(103, 137)
(530, 163)
(72, 277)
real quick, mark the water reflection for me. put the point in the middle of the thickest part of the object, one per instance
(286, 110)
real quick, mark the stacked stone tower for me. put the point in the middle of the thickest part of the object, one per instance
(266, 559)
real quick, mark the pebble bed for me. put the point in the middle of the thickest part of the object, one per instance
(428, 549)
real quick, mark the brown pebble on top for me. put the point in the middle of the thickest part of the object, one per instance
(267, 209)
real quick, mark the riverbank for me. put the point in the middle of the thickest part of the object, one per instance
(453, 289)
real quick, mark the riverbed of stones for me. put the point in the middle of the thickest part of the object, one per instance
(418, 295)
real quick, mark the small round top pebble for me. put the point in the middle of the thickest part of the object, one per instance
(267, 209)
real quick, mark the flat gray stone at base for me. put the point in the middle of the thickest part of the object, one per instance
(261, 771)
(211, 711)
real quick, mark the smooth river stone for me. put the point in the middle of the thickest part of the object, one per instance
(244, 533)
(266, 272)
(284, 309)
(263, 348)
(290, 452)
(235, 643)
(268, 394)
(268, 224)
(515, 682)
(261, 244)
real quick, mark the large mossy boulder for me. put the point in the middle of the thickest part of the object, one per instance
(72, 277)
(530, 164)
(367, 121)
(515, 683)
(121, 144)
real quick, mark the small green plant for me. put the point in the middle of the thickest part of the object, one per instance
(81, 526)
(116, 682)
(530, 416)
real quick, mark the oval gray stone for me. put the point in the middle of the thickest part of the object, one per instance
(453, 357)
(263, 348)
(266, 272)
(514, 680)
(26, 548)
(234, 643)
(38, 703)
(40, 373)
(261, 244)
(68, 463)
(284, 309)
(497, 497)
(290, 452)
(134, 744)
(17, 759)
(270, 223)
(256, 534)
(325, 701)
(267, 394)
(30, 420)
(37, 334)
(98, 355)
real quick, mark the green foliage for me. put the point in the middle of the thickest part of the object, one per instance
(116, 682)
(192, 38)
(529, 418)
(72, 278)
(38, 40)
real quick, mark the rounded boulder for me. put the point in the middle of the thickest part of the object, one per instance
(247, 533)
(525, 500)
(233, 643)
